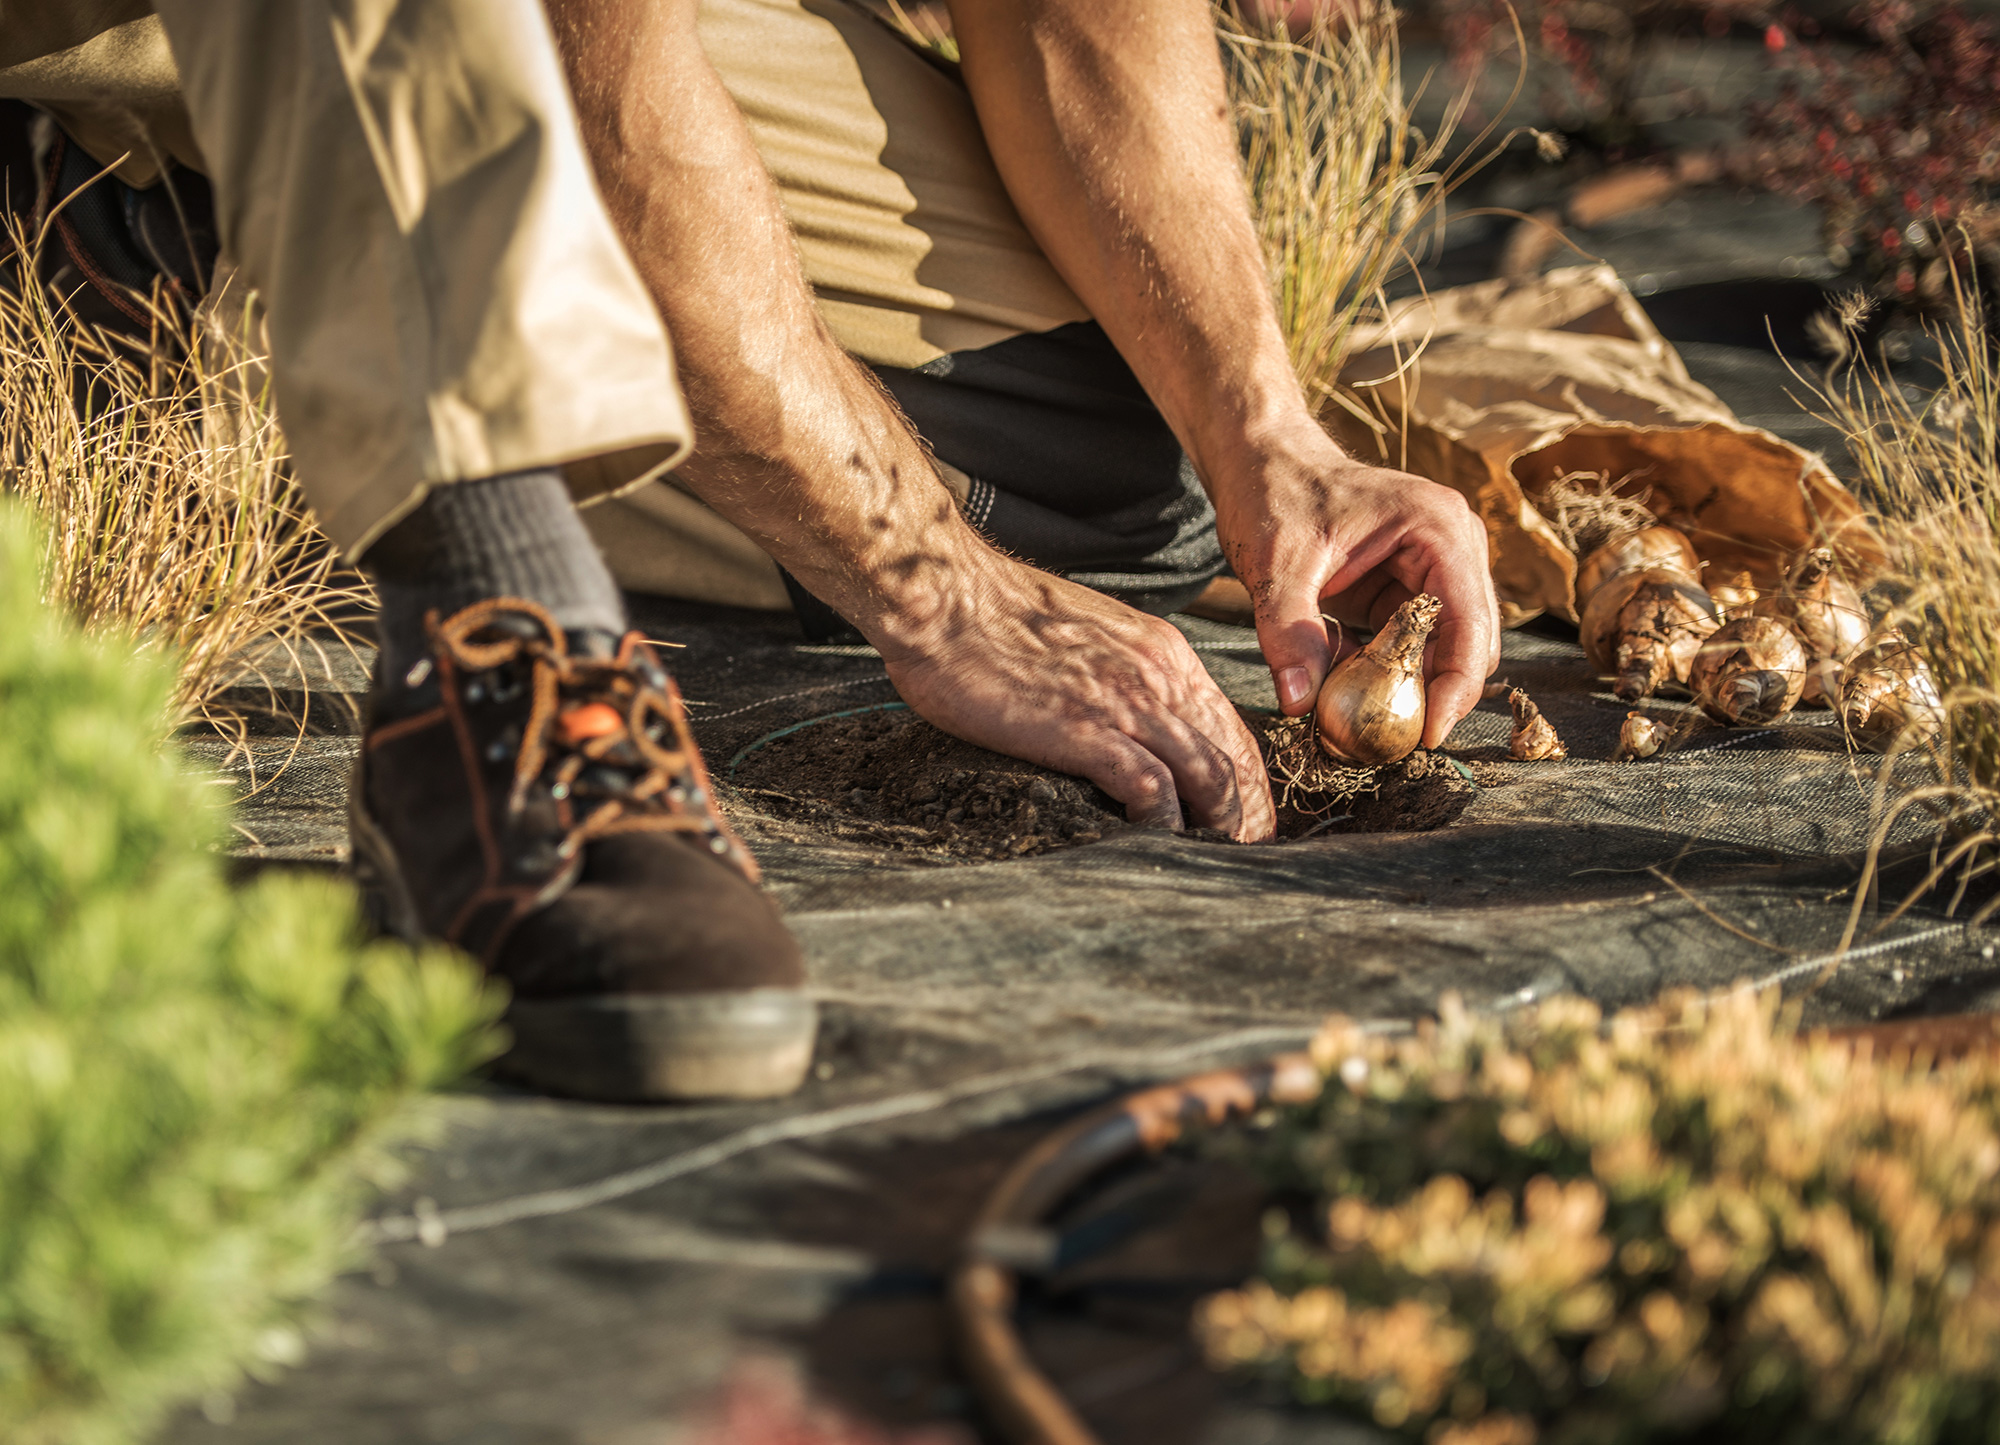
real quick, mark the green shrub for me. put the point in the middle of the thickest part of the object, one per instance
(198, 1082)
(1690, 1223)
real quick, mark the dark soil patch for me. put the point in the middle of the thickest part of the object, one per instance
(916, 788)
(893, 779)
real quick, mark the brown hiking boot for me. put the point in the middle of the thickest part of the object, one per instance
(538, 801)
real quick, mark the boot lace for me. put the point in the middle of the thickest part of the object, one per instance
(607, 737)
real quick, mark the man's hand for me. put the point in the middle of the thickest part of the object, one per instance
(1027, 664)
(1310, 530)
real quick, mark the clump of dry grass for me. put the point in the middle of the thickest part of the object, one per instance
(160, 475)
(1344, 186)
(1689, 1221)
(1588, 510)
(1929, 465)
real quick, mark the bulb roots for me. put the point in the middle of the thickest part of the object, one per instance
(1749, 672)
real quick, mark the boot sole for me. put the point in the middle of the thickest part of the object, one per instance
(747, 1044)
(623, 1048)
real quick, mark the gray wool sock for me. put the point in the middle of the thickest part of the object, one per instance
(514, 535)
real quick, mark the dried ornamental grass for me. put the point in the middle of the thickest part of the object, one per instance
(926, 24)
(171, 515)
(1930, 464)
(1688, 1221)
(1344, 187)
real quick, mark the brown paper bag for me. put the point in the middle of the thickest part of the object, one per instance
(1499, 389)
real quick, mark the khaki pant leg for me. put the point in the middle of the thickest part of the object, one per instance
(404, 183)
(660, 540)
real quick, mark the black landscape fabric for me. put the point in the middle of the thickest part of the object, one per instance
(561, 1272)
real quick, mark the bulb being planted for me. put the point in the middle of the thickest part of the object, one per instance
(1643, 629)
(1371, 706)
(1888, 696)
(1824, 612)
(1750, 672)
(1639, 737)
(1534, 735)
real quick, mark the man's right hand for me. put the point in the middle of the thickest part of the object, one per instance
(1030, 665)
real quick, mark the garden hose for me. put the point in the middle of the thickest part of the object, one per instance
(1009, 1232)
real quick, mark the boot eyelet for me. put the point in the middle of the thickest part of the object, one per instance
(559, 792)
(498, 750)
(718, 844)
(419, 671)
(475, 690)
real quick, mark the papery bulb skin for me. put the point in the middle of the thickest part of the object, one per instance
(1639, 737)
(1749, 672)
(1535, 738)
(1736, 596)
(1370, 709)
(1889, 697)
(1653, 548)
(1642, 629)
(1825, 612)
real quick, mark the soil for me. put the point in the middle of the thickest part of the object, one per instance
(917, 788)
(894, 779)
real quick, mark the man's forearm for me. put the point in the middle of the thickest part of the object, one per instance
(1109, 122)
(796, 443)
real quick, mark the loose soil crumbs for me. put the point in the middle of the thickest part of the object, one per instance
(916, 788)
(891, 778)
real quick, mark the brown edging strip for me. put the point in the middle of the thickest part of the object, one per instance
(1029, 1409)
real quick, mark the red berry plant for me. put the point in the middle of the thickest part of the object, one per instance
(1885, 113)
(1898, 140)
(1586, 58)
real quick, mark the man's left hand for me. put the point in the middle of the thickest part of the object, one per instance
(1309, 530)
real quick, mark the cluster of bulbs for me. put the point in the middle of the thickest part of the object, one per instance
(1747, 656)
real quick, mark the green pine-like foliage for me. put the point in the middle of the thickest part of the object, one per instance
(200, 1083)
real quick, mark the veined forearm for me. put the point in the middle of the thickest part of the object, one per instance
(1110, 125)
(795, 442)
(798, 447)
